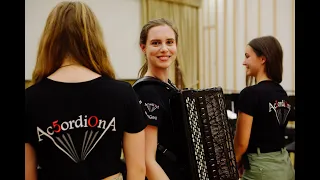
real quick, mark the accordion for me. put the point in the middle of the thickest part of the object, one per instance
(204, 133)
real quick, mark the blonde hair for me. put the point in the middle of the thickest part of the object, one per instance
(71, 30)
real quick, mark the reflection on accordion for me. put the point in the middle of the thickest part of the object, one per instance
(204, 134)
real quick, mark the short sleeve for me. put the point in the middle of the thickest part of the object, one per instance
(247, 101)
(151, 104)
(135, 121)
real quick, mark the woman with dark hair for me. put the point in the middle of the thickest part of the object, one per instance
(158, 42)
(263, 113)
(77, 116)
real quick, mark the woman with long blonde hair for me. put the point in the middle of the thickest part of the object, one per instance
(77, 116)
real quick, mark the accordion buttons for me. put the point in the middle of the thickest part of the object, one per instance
(203, 115)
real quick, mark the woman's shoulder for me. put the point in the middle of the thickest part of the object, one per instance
(148, 89)
(251, 92)
(247, 89)
(256, 88)
(148, 86)
(117, 86)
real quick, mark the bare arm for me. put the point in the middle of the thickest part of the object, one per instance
(134, 154)
(30, 163)
(243, 131)
(154, 170)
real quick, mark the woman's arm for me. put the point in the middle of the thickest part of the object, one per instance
(30, 162)
(154, 170)
(243, 131)
(134, 154)
(149, 96)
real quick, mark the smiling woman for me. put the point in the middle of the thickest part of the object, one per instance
(158, 42)
(264, 111)
(160, 48)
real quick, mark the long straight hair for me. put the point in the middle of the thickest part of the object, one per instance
(71, 31)
(270, 48)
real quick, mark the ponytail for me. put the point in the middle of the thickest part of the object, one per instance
(179, 82)
(143, 70)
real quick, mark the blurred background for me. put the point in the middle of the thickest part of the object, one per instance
(212, 39)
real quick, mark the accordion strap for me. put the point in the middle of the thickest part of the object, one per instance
(152, 80)
(167, 153)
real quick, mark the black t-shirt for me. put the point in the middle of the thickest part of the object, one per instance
(77, 128)
(267, 103)
(154, 99)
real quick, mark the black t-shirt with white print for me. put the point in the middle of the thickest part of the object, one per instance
(268, 103)
(77, 128)
(154, 99)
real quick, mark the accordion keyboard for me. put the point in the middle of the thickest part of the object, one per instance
(211, 150)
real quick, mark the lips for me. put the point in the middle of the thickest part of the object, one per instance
(163, 58)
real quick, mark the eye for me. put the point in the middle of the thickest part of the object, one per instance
(155, 42)
(170, 42)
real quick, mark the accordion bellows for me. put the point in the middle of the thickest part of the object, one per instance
(204, 133)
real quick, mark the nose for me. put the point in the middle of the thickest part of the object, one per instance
(244, 62)
(163, 48)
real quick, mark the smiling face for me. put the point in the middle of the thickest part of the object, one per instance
(160, 48)
(252, 62)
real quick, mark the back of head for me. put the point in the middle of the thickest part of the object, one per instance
(71, 31)
(270, 48)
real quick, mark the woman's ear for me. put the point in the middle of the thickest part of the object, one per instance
(143, 48)
(263, 59)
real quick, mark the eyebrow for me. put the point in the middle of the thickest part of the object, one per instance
(160, 39)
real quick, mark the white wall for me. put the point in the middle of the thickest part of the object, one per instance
(226, 26)
(121, 24)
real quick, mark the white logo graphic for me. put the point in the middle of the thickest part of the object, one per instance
(151, 106)
(150, 116)
(281, 109)
(90, 140)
